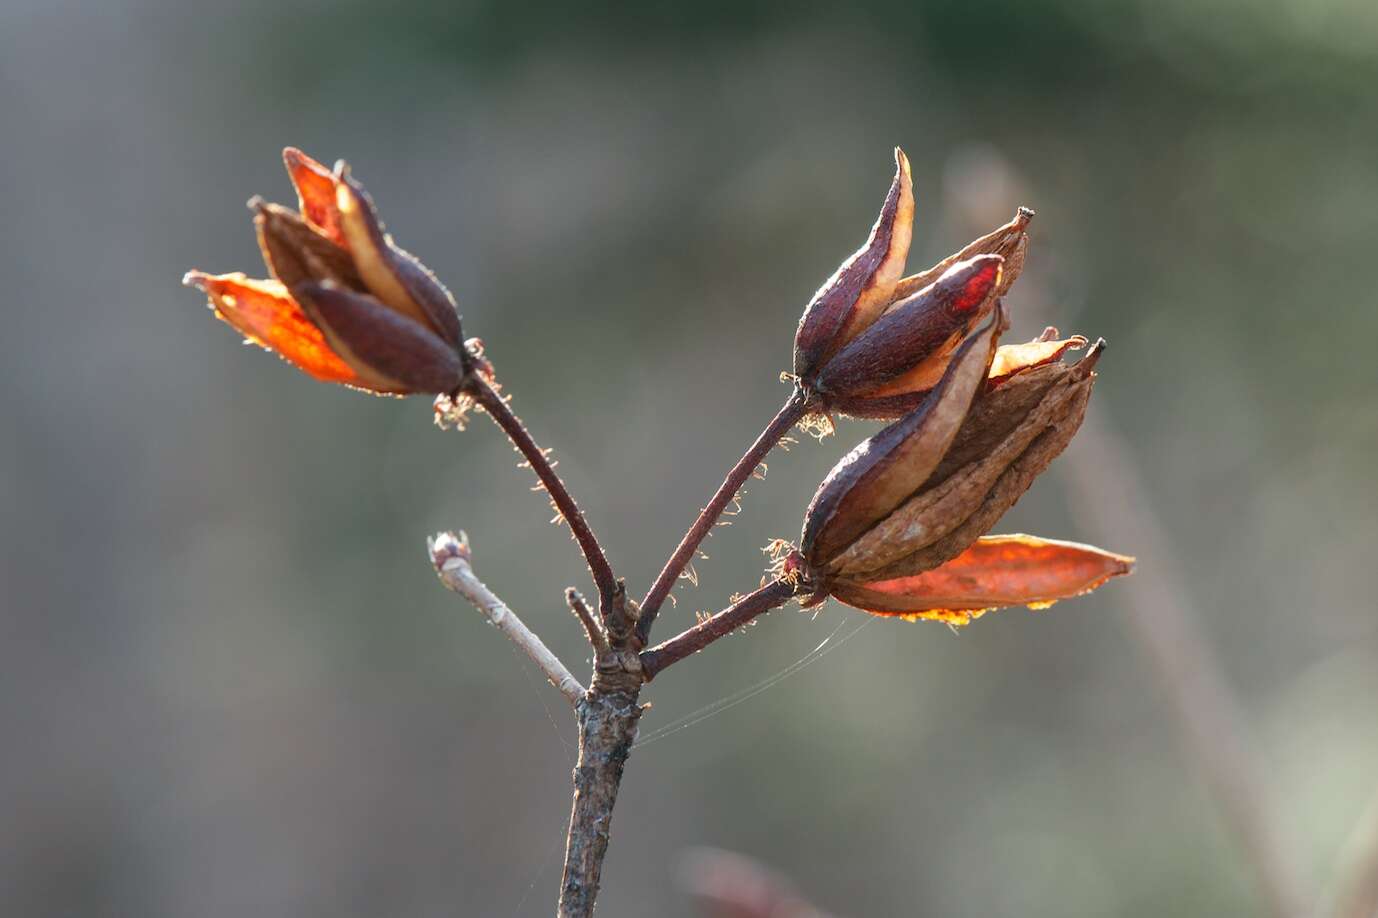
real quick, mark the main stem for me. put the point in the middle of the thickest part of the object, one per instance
(516, 431)
(607, 728)
(779, 425)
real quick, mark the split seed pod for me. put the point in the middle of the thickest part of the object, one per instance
(871, 342)
(345, 304)
(897, 526)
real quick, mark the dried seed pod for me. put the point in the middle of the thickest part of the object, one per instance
(392, 275)
(1010, 242)
(346, 304)
(295, 253)
(905, 394)
(917, 334)
(1043, 406)
(881, 473)
(391, 352)
(1008, 435)
(861, 288)
(871, 343)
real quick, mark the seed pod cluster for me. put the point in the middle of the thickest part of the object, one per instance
(898, 527)
(344, 304)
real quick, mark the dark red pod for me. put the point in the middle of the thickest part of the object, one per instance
(871, 343)
(923, 326)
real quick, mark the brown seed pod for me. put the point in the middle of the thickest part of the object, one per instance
(346, 304)
(869, 548)
(871, 343)
(881, 473)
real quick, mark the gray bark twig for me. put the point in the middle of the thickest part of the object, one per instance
(450, 557)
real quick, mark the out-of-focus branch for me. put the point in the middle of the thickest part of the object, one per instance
(1355, 887)
(450, 555)
(788, 415)
(771, 596)
(492, 402)
(1114, 509)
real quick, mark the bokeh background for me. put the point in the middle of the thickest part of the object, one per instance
(230, 684)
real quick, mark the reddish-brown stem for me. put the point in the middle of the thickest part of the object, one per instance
(771, 596)
(779, 425)
(498, 409)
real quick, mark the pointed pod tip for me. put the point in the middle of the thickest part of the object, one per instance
(195, 279)
(1024, 214)
(1086, 364)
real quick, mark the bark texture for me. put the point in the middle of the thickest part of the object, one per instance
(607, 728)
(608, 718)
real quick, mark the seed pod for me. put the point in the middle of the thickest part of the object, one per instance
(850, 300)
(390, 352)
(1010, 242)
(871, 343)
(295, 253)
(905, 394)
(881, 473)
(346, 304)
(1021, 425)
(876, 559)
(392, 275)
(926, 325)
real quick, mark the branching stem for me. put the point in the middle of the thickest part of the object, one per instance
(771, 596)
(516, 431)
(779, 425)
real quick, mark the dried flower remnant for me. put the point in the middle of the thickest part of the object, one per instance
(871, 343)
(897, 526)
(344, 304)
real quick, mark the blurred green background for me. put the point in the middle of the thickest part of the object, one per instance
(230, 684)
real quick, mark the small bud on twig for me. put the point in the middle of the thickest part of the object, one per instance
(450, 556)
